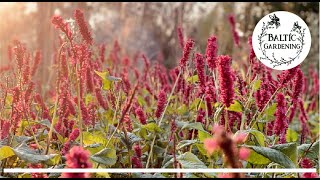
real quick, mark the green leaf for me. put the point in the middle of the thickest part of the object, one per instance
(312, 153)
(189, 160)
(202, 150)
(141, 101)
(203, 135)
(152, 127)
(132, 138)
(5, 152)
(235, 106)
(185, 143)
(274, 156)
(291, 135)
(106, 84)
(289, 149)
(107, 80)
(32, 156)
(256, 84)
(106, 156)
(182, 110)
(94, 148)
(270, 111)
(259, 136)
(88, 99)
(96, 137)
(193, 79)
(197, 126)
(256, 158)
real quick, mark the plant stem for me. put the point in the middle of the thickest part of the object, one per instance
(253, 122)
(55, 104)
(159, 123)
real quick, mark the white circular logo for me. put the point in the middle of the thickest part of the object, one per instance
(281, 40)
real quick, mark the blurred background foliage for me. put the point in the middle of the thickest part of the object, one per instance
(149, 27)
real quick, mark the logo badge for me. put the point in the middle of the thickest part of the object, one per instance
(281, 40)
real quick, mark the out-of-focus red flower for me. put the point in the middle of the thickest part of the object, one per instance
(77, 158)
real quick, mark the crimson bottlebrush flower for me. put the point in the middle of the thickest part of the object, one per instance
(15, 95)
(211, 52)
(100, 99)
(136, 162)
(200, 116)
(241, 85)
(200, 70)
(292, 112)
(180, 36)
(77, 158)
(72, 137)
(89, 79)
(181, 84)
(70, 106)
(26, 71)
(28, 92)
(210, 91)
(146, 65)
(303, 120)
(281, 122)
(127, 123)
(186, 52)
(262, 96)
(252, 55)
(38, 99)
(307, 163)
(287, 75)
(234, 117)
(9, 53)
(137, 150)
(59, 23)
(126, 61)
(125, 82)
(84, 113)
(114, 53)
(37, 60)
(298, 85)
(102, 51)
(235, 34)
(92, 113)
(19, 52)
(64, 66)
(302, 110)
(173, 128)
(37, 175)
(5, 129)
(162, 100)
(186, 94)
(141, 116)
(83, 28)
(270, 126)
(208, 104)
(226, 83)
(315, 82)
